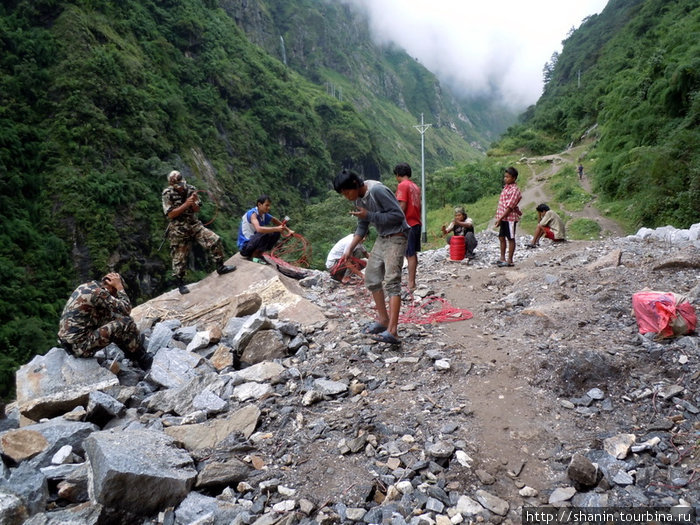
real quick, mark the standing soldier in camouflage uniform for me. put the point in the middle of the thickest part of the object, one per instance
(97, 314)
(180, 205)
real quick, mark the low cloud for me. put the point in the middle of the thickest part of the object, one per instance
(494, 48)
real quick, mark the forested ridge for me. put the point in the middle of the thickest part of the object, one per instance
(628, 79)
(100, 100)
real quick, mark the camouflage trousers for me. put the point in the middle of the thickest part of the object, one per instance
(122, 331)
(180, 246)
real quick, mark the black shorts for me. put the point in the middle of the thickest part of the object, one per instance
(413, 244)
(507, 230)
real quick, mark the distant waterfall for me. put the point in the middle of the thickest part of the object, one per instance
(284, 52)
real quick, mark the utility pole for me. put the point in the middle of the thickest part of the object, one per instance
(422, 128)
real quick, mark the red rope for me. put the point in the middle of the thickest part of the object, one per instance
(350, 264)
(216, 210)
(293, 249)
(433, 309)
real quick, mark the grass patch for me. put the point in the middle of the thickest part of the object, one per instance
(583, 229)
(567, 191)
(622, 212)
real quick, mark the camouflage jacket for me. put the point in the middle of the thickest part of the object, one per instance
(89, 307)
(181, 227)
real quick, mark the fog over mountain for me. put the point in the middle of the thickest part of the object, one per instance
(495, 48)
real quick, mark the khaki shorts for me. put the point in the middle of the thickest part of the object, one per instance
(385, 264)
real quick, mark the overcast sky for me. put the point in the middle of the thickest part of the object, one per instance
(476, 45)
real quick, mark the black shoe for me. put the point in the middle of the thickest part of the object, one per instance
(182, 287)
(144, 360)
(221, 270)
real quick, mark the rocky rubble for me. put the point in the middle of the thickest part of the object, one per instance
(264, 421)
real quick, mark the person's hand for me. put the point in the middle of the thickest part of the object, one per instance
(114, 280)
(360, 213)
(497, 223)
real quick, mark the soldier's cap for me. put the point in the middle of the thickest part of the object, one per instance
(175, 178)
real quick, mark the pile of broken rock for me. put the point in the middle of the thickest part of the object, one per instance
(306, 432)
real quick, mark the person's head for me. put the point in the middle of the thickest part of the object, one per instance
(402, 170)
(348, 184)
(263, 203)
(542, 208)
(460, 213)
(176, 180)
(107, 283)
(510, 175)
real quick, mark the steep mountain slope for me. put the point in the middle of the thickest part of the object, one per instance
(329, 42)
(630, 76)
(99, 100)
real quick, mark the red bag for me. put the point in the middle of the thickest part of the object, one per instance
(663, 313)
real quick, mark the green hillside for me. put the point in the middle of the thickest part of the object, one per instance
(627, 80)
(100, 100)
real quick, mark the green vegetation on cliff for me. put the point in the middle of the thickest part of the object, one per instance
(100, 100)
(628, 77)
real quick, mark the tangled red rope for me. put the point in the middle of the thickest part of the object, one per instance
(293, 249)
(431, 309)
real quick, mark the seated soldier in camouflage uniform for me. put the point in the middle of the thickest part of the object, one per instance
(180, 205)
(97, 314)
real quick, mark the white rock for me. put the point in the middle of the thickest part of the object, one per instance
(63, 456)
(442, 364)
(284, 506)
(404, 487)
(618, 446)
(463, 458)
(561, 495)
(468, 507)
(528, 492)
(286, 491)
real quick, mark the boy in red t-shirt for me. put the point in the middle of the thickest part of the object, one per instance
(408, 195)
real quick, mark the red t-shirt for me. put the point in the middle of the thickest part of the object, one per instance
(409, 192)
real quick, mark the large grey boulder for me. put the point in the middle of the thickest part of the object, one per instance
(29, 485)
(13, 511)
(55, 383)
(59, 433)
(198, 508)
(181, 400)
(138, 471)
(102, 408)
(253, 324)
(173, 367)
(84, 514)
(264, 345)
(211, 433)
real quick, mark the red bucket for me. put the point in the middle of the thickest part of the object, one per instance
(458, 247)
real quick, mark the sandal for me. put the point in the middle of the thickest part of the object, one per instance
(501, 264)
(530, 245)
(373, 328)
(387, 337)
(259, 261)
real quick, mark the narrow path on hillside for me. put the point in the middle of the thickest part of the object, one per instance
(536, 192)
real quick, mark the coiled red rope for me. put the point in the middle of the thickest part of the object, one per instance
(293, 249)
